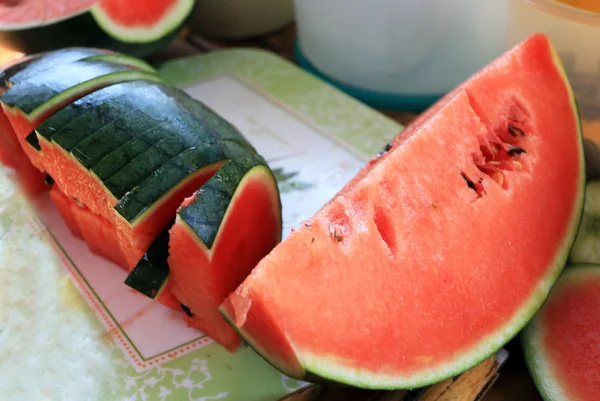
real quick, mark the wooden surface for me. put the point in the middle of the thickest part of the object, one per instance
(480, 383)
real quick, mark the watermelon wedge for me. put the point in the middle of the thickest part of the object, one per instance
(219, 235)
(137, 27)
(440, 250)
(562, 342)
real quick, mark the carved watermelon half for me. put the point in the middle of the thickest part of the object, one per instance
(562, 342)
(137, 27)
(123, 151)
(440, 250)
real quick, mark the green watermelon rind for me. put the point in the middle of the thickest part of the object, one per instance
(259, 167)
(106, 80)
(538, 365)
(319, 368)
(119, 58)
(168, 24)
(207, 234)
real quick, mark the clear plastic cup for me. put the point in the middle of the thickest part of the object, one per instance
(576, 35)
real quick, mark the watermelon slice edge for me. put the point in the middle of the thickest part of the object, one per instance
(334, 321)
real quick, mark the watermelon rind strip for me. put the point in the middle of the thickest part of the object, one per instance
(167, 24)
(106, 80)
(536, 359)
(119, 58)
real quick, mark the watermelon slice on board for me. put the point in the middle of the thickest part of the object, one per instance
(136, 27)
(562, 342)
(219, 235)
(440, 250)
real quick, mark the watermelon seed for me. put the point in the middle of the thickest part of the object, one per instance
(515, 131)
(186, 310)
(499, 178)
(335, 233)
(386, 149)
(478, 188)
(515, 150)
(517, 165)
(469, 182)
(312, 240)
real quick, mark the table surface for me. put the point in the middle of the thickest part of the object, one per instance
(513, 382)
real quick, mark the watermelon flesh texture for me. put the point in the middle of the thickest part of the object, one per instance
(64, 204)
(435, 234)
(219, 235)
(561, 343)
(12, 155)
(99, 235)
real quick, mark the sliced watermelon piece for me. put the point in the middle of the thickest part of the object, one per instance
(144, 211)
(31, 101)
(11, 153)
(150, 276)
(237, 209)
(439, 251)
(562, 342)
(136, 27)
(181, 134)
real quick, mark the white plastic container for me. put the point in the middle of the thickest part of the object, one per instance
(400, 47)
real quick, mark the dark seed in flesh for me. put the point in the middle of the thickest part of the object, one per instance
(186, 310)
(515, 131)
(515, 150)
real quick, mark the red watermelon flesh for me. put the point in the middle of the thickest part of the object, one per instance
(128, 13)
(63, 205)
(13, 156)
(438, 252)
(562, 343)
(24, 12)
(99, 234)
(102, 239)
(202, 277)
